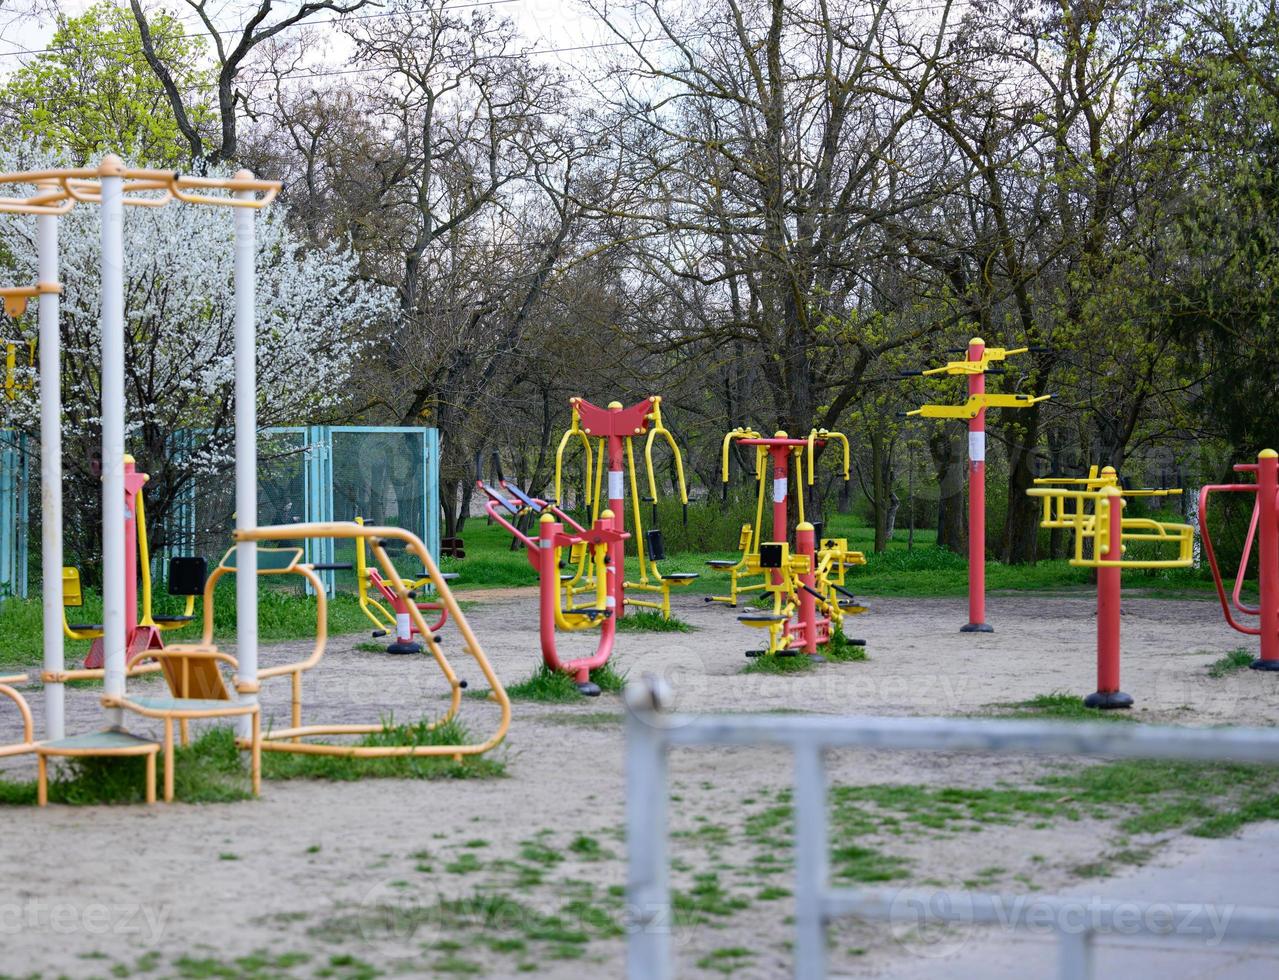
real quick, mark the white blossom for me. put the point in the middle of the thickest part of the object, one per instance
(315, 316)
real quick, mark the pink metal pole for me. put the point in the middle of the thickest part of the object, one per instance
(549, 530)
(404, 642)
(977, 502)
(806, 544)
(1268, 557)
(780, 457)
(135, 638)
(1109, 581)
(617, 504)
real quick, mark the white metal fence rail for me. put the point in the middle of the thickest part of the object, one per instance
(650, 734)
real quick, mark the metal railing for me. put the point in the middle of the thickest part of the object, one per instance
(650, 734)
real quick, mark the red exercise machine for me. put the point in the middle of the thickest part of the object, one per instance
(603, 540)
(1264, 529)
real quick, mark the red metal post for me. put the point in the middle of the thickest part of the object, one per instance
(548, 576)
(806, 544)
(977, 502)
(617, 504)
(780, 457)
(1109, 581)
(1268, 557)
(404, 642)
(136, 638)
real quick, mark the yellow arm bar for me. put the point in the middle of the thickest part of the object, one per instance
(574, 429)
(659, 428)
(728, 441)
(974, 405)
(977, 367)
(813, 438)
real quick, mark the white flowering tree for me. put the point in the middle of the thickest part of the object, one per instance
(315, 316)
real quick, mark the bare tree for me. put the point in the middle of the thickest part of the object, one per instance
(233, 49)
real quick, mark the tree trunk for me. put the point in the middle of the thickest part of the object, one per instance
(948, 464)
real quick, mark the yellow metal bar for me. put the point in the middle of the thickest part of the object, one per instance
(640, 542)
(975, 403)
(573, 430)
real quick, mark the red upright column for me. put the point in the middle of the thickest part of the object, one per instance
(780, 456)
(1268, 557)
(806, 544)
(977, 502)
(1109, 581)
(136, 638)
(617, 504)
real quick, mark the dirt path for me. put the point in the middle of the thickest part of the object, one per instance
(505, 875)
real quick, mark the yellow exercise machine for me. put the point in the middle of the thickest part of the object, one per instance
(1101, 534)
(615, 430)
(288, 561)
(807, 583)
(142, 632)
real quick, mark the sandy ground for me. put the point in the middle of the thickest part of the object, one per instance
(344, 880)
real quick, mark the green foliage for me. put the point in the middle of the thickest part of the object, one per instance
(651, 621)
(1061, 705)
(92, 91)
(1233, 661)
(210, 770)
(554, 687)
(713, 525)
(772, 663)
(283, 765)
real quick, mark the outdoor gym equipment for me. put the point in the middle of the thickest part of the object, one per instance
(615, 430)
(1095, 515)
(288, 560)
(185, 578)
(602, 542)
(801, 583)
(112, 186)
(397, 620)
(975, 366)
(1264, 529)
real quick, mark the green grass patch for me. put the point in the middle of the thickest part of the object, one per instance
(1231, 662)
(772, 663)
(284, 765)
(839, 650)
(726, 959)
(1059, 706)
(209, 770)
(706, 901)
(651, 621)
(258, 965)
(554, 687)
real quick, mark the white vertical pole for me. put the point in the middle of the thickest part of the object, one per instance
(246, 448)
(811, 871)
(51, 474)
(112, 326)
(648, 898)
(1074, 955)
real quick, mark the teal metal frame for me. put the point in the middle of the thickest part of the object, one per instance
(15, 514)
(316, 445)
